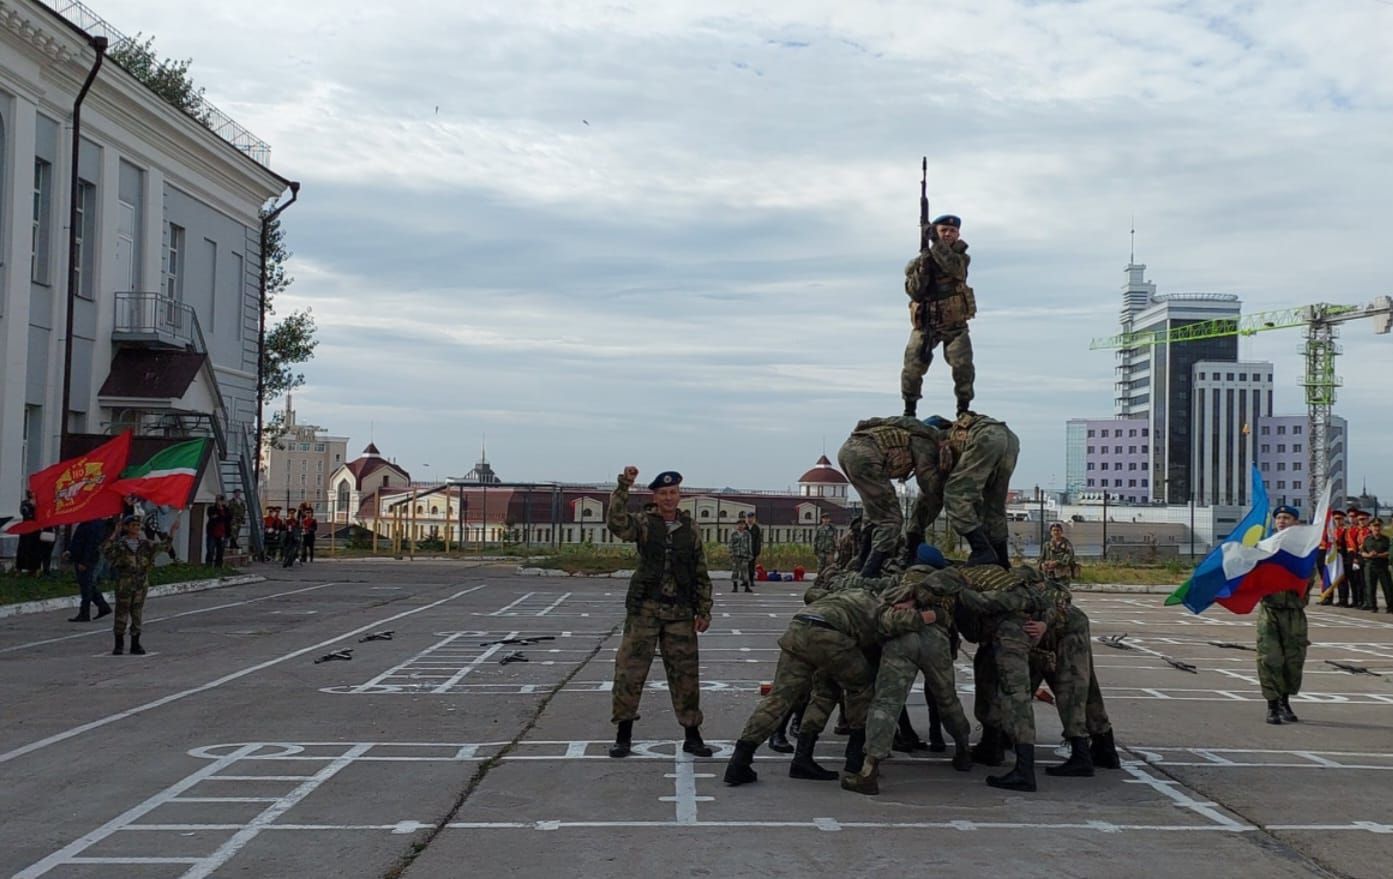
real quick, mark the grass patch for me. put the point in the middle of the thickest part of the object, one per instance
(15, 588)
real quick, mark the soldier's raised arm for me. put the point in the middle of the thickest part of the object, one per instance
(952, 259)
(621, 522)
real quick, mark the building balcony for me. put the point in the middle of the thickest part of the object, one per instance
(150, 319)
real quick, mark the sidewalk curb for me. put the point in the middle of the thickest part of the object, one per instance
(47, 604)
(1099, 588)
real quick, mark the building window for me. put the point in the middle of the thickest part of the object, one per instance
(1296, 466)
(1281, 466)
(1131, 483)
(1144, 483)
(1296, 447)
(1281, 447)
(1243, 376)
(174, 266)
(1266, 430)
(1132, 432)
(1230, 376)
(1131, 450)
(42, 225)
(1132, 465)
(1266, 447)
(1117, 432)
(319, 447)
(1090, 483)
(1105, 465)
(1281, 429)
(1090, 465)
(1090, 450)
(1145, 450)
(1117, 483)
(1090, 433)
(1146, 431)
(706, 514)
(1296, 484)
(86, 236)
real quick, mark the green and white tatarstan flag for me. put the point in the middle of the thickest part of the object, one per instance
(168, 478)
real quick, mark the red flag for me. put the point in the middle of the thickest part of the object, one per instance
(78, 489)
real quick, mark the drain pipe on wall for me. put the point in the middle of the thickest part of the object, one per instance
(99, 44)
(266, 222)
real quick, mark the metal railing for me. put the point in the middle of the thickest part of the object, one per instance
(203, 111)
(145, 314)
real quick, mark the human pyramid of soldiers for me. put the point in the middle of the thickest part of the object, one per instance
(890, 605)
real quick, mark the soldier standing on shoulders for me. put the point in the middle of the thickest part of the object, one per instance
(132, 556)
(825, 544)
(971, 482)
(1282, 639)
(740, 555)
(1057, 556)
(941, 304)
(668, 605)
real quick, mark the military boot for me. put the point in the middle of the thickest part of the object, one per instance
(936, 743)
(867, 781)
(120, 645)
(964, 405)
(1104, 751)
(1283, 708)
(1003, 554)
(911, 407)
(874, 562)
(989, 750)
(803, 765)
(865, 549)
(1274, 711)
(1022, 775)
(1079, 764)
(906, 739)
(779, 740)
(962, 755)
(911, 549)
(982, 551)
(136, 649)
(856, 750)
(623, 737)
(84, 615)
(740, 769)
(693, 744)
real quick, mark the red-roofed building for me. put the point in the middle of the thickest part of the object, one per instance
(354, 483)
(825, 481)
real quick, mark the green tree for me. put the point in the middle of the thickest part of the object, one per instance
(168, 78)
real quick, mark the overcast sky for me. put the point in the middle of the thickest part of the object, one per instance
(673, 233)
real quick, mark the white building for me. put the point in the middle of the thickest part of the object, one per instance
(1227, 401)
(166, 305)
(296, 469)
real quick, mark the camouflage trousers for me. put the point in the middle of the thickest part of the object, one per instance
(1064, 660)
(975, 492)
(130, 606)
(825, 560)
(818, 661)
(1001, 680)
(863, 462)
(645, 631)
(1282, 646)
(957, 350)
(901, 660)
(740, 571)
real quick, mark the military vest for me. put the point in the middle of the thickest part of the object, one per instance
(662, 553)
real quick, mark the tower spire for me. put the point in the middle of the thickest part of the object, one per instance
(1132, 257)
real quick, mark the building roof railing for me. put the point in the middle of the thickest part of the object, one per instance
(203, 111)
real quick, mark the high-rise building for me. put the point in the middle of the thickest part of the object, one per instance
(1108, 454)
(297, 465)
(1154, 381)
(1284, 458)
(1228, 401)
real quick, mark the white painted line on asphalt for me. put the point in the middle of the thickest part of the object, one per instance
(553, 606)
(502, 610)
(103, 629)
(480, 659)
(1171, 790)
(7, 756)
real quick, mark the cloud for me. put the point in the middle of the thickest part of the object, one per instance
(708, 272)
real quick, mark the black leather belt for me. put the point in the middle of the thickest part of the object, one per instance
(819, 622)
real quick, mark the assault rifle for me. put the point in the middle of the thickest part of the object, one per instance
(533, 640)
(926, 240)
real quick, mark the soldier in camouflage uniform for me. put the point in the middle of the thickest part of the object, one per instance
(825, 544)
(1057, 560)
(1063, 658)
(824, 645)
(132, 556)
(741, 553)
(1374, 552)
(971, 483)
(941, 304)
(850, 545)
(668, 604)
(879, 451)
(1282, 639)
(928, 650)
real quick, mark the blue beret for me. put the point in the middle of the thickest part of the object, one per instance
(928, 554)
(937, 421)
(949, 220)
(1289, 510)
(664, 479)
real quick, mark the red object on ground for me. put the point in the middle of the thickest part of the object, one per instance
(798, 573)
(766, 689)
(1044, 695)
(760, 573)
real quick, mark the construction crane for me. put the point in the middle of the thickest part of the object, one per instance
(1321, 321)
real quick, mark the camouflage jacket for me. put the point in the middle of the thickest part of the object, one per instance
(1061, 552)
(979, 596)
(864, 617)
(825, 540)
(740, 545)
(909, 445)
(848, 547)
(837, 580)
(134, 563)
(938, 272)
(672, 562)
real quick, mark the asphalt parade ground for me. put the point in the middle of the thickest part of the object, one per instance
(229, 751)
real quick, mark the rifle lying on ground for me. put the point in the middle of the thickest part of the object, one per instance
(337, 654)
(1230, 645)
(1352, 668)
(532, 640)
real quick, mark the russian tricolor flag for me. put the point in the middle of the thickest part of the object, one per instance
(1248, 564)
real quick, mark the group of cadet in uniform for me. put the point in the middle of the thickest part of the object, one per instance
(885, 605)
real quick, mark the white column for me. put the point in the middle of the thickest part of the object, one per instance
(152, 232)
(14, 323)
(105, 282)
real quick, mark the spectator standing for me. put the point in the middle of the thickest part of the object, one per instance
(85, 551)
(309, 527)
